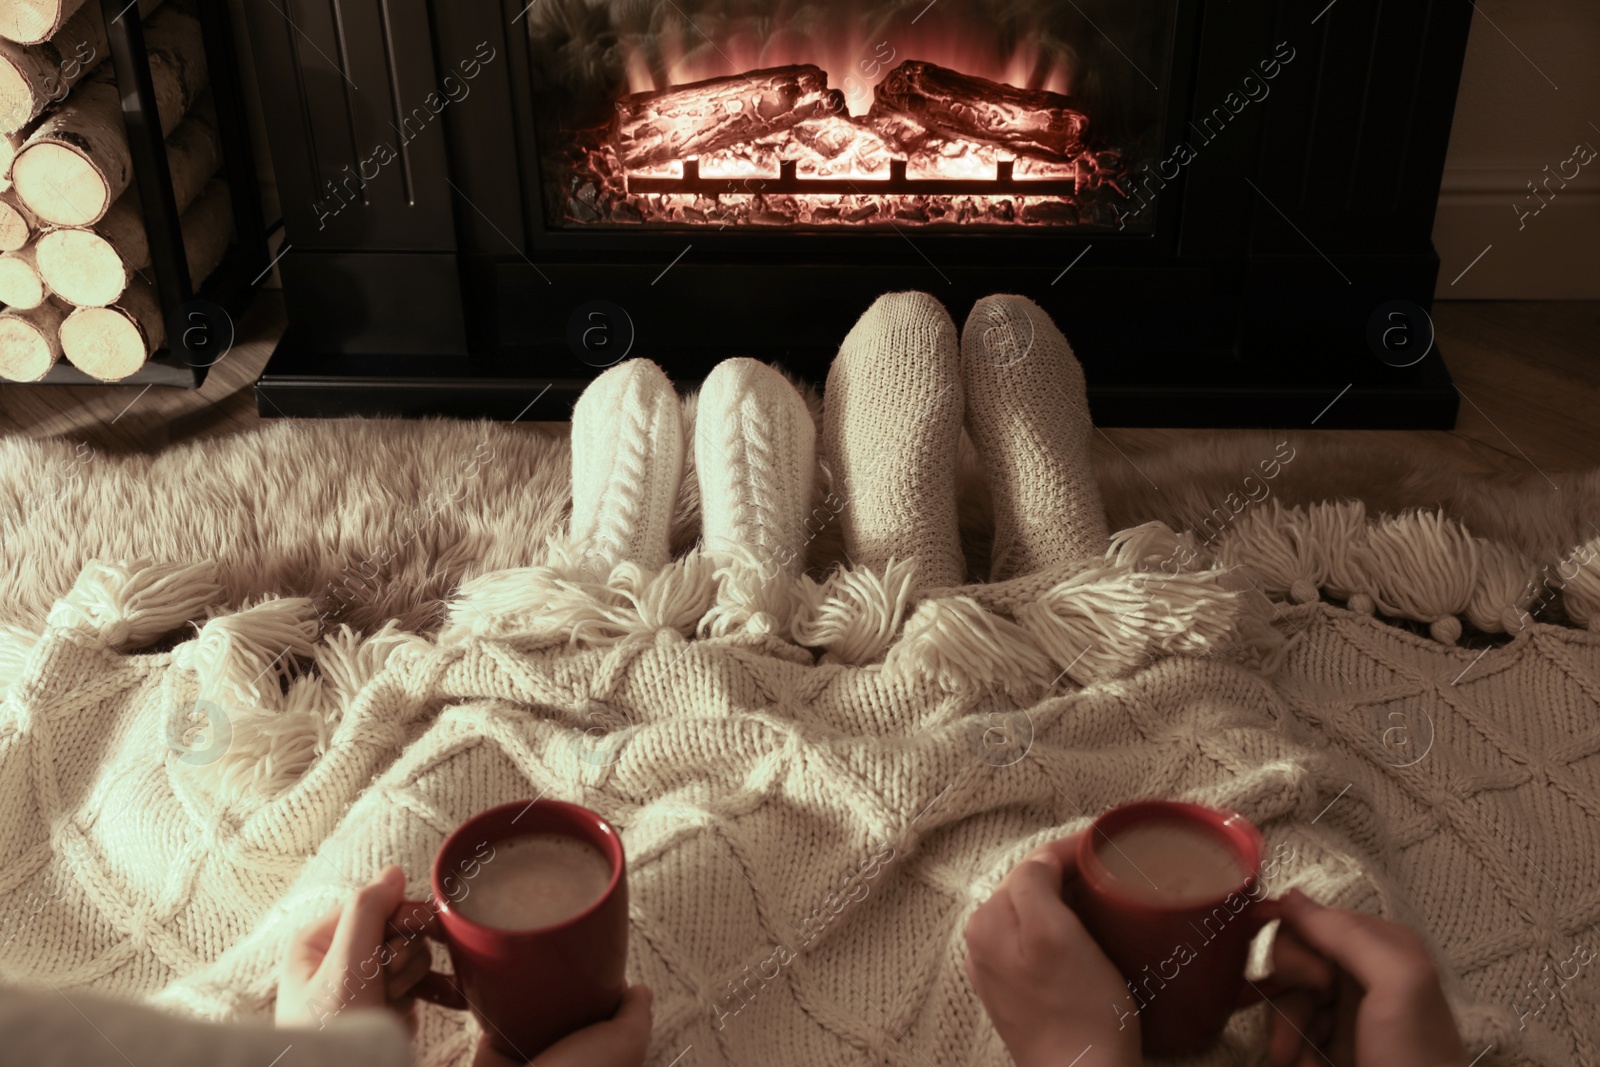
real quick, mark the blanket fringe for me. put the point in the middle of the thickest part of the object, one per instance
(1579, 578)
(573, 600)
(132, 603)
(965, 647)
(1106, 622)
(281, 692)
(16, 645)
(1418, 565)
(855, 614)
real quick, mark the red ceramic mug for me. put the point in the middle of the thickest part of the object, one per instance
(530, 988)
(1184, 959)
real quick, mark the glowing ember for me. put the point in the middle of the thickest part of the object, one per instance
(778, 147)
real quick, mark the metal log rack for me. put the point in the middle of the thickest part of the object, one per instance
(896, 184)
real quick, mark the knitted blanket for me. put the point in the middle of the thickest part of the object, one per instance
(811, 811)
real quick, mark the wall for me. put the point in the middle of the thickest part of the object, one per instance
(1530, 94)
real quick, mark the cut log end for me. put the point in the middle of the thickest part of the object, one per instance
(16, 227)
(83, 267)
(32, 21)
(17, 95)
(20, 285)
(60, 184)
(107, 343)
(30, 342)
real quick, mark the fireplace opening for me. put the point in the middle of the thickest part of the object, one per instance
(825, 115)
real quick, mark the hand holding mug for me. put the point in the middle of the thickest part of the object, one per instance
(354, 958)
(620, 1041)
(1047, 986)
(1354, 990)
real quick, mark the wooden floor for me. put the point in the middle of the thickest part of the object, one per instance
(1528, 373)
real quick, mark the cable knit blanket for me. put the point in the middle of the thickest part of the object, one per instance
(184, 781)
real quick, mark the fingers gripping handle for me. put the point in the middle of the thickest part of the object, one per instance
(1254, 992)
(440, 989)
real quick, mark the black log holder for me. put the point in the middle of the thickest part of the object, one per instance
(199, 324)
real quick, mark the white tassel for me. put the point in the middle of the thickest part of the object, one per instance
(131, 604)
(1338, 534)
(1273, 545)
(1106, 622)
(571, 602)
(754, 595)
(1154, 546)
(240, 658)
(1507, 583)
(1579, 578)
(16, 645)
(965, 648)
(855, 614)
(1422, 566)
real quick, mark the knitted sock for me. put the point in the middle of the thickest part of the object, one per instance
(627, 461)
(754, 455)
(1028, 415)
(891, 424)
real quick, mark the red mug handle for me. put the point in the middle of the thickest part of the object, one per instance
(440, 989)
(434, 987)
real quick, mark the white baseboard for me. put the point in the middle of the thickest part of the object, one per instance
(1554, 255)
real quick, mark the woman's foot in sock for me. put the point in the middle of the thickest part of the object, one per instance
(627, 462)
(1028, 415)
(755, 455)
(891, 426)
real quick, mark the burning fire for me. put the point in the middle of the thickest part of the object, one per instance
(822, 114)
(855, 55)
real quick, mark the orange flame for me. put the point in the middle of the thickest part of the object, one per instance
(855, 56)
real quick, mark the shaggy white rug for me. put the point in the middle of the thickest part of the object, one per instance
(383, 519)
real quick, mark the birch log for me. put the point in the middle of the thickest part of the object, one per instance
(92, 267)
(20, 284)
(10, 145)
(33, 76)
(17, 223)
(30, 341)
(32, 21)
(111, 343)
(75, 164)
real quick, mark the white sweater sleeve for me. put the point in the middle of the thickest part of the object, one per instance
(78, 1029)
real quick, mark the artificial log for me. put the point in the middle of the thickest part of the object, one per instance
(32, 21)
(689, 120)
(76, 163)
(20, 284)
(17, 223)
(92, 267)
(956, 105)
(30, 341)
(111, 343)
(33, 76)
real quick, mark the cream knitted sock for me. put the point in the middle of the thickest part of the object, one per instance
(627, 461)
(754, 455)
(891, 424)
(1028, 415)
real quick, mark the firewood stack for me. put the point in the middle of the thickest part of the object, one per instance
(74, 254)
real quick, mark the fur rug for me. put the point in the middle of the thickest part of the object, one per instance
(383, 519)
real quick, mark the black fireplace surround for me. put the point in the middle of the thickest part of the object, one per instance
(1241, 237)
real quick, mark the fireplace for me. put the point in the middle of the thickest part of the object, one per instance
(844, 115)
(1226, 205)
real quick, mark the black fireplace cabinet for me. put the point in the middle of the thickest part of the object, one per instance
(1281, 273)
